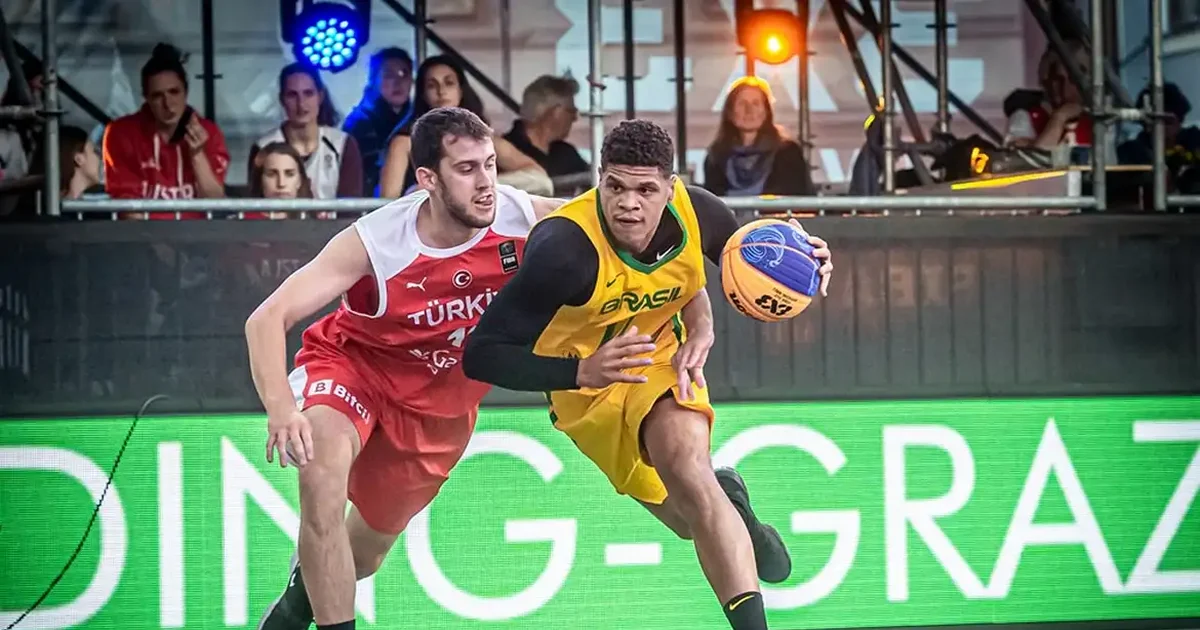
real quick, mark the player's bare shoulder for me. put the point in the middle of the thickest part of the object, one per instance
(515, 212)
(389, 235)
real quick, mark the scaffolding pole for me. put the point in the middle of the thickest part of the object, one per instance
(889, 139)
(595, 83)
(420, 32)
(840, 8)
(209, 74)
(681, 165)
(505, 46)
(941, 29)
(50, 197)
(901, 93)
(630, 58)
(907, 59)
(1074, 72)
(805, 127)
(1156, 104)
(1100, 124)
(767, 203)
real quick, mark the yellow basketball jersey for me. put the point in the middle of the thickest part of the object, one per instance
(628, 292)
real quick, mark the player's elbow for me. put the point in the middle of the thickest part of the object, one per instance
(476, 360)
(267, 315)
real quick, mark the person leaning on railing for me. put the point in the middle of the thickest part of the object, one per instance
(151, 155)
(441, 82)
(1056, 114)
(547, 114)
(329, 156)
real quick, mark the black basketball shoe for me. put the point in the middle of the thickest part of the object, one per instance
(770, 555)
(292, 610)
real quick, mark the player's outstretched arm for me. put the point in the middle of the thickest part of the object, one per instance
(331, 273)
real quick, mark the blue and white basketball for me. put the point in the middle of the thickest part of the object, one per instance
(768, 271)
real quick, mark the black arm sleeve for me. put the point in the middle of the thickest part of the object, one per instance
(717, 222)
(559, 268)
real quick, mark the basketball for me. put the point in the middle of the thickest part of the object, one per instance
(768, 271)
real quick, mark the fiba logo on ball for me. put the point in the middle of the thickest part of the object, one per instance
(768, 271)
(462, 279)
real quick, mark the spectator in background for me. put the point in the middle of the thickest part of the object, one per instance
(78, 162)
(751, 155)
(442, 83)
(547, 114)
(329, 155)
(1178, 140)
(278, 172)
(165, 150)
(19, 139)
(384, 107)
(1056, 114)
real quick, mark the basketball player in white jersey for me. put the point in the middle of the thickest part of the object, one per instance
(377, 410)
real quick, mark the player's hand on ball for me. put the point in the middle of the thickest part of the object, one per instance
(689, 361)
(822, 254)
(608, 364)
(290, 434)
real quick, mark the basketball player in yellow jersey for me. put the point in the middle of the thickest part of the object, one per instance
(608, 314)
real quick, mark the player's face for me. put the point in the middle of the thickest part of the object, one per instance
(633, 199)
(166, 97)
(465, 182)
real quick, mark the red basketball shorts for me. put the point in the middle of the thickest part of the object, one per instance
(405, 456)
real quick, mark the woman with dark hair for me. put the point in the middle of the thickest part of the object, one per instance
(329, 155)
(441, 82)
(751, 155)
(78, 163)
(165, 150)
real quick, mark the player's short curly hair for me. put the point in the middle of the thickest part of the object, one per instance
(431, 129)
(638, 143)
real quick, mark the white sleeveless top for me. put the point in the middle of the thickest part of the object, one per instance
(324, 165)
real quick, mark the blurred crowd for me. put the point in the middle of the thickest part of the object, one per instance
(167, 150)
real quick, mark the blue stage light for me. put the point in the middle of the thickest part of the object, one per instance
(329, 35)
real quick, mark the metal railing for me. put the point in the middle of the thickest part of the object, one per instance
(771, 204)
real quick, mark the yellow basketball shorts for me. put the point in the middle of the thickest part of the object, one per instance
(605, 424)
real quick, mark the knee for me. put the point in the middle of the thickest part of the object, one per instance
(696, 498)
(322, 499)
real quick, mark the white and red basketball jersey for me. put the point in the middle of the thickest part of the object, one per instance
(404, 330)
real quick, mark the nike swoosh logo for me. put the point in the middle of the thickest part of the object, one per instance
(734, 605)
(610, 282)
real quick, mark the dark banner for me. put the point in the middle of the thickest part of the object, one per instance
(96, 316)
